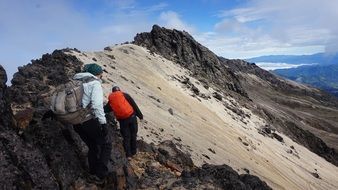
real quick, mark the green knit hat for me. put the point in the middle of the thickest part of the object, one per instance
(93, 68)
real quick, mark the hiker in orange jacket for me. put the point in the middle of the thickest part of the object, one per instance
(125, 110)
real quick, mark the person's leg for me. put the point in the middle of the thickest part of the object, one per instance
(93, 131)
(133, 134)
(93, 158)
(91, 147)
(104, 157)
(125, 132)
(79, 130)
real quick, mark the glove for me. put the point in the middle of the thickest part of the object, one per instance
(104, 129)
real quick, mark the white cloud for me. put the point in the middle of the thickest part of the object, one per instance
(310, 24)
(172, 20)
(29, 29)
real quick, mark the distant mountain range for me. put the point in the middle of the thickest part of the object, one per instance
(323, 74)
(318, 58)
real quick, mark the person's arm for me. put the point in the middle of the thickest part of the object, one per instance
(97, 102)
(134, 105)
(107, 108)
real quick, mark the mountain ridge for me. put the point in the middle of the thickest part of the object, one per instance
(237, 68)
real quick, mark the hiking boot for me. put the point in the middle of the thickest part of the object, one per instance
(95, 179)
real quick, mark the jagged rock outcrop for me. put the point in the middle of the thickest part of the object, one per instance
(47, 154)
(22, 166)
(181, 48)
(42, 75)
(5, 112)
(168, 168)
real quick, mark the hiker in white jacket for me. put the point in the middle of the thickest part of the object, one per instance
(93, 94)
(94, 131)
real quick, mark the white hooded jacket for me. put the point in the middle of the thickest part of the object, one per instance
(93, 94)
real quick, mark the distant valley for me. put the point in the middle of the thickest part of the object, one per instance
(318, 70)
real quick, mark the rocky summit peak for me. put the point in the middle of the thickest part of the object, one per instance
(182, 48)
(3, 77)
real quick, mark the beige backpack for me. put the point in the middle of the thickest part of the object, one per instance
(66, 102)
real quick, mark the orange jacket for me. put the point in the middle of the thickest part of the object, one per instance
(120, 106)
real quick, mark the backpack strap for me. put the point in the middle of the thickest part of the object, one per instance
(87, 79)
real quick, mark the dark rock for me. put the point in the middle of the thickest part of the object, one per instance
(204, 96)
(292, 147)
(253, 182)
(246, 170)
(123, 77)
(171, 111)
(6, 119)
(187, 176)
(206, 86)
(222, 177)
(110, 56)
(78, 51)
(315, 175)
(267, 130)
(180, 47)
(278, 137)
(168, 154)
(23, 118)
(195, 90)
(154, 98)
(22, 166)
(3, 78)
(186, 81)
(217, 96)
(94, 59)
(178, 139)
(206, 156)
(108, 48)
(125, 51)
(33, 80)
(212, 150)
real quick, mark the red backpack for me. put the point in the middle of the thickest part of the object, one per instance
(120, 106)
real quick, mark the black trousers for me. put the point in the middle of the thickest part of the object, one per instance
(99, 146)
(128, 129)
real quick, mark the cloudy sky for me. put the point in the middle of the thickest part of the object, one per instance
(230, 28)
